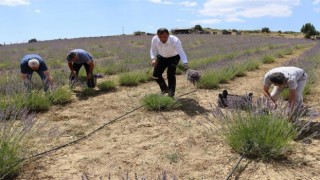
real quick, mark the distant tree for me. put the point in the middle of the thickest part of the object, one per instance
(198, 28)
(265, 30)
(137, 33)
(279, 32)
(32, 40)
(309, 30)
(234, 30)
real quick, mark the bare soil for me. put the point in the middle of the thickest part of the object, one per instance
(185, 143)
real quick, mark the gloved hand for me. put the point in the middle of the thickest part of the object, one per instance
(185, 67)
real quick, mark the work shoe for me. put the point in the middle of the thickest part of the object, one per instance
(164, 92)
(171, 94)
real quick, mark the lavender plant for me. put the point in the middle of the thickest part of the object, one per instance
(14, 135)
(60, 95)
(155, 102)
(107, 86)
(261, 132)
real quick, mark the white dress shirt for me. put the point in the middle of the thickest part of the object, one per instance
(169, 49)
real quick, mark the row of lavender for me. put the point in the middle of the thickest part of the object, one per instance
(220, 57)
(133, 51)
(309, 61)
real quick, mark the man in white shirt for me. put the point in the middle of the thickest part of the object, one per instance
(166, 51)
(292, 78)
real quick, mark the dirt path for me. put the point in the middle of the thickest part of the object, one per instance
(184, 143)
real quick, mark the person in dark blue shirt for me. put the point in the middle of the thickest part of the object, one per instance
(33, 62)
(78, 58)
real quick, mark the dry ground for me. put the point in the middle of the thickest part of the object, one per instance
(185, 143)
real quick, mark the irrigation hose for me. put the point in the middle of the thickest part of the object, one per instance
(235, 167)
(91, 133)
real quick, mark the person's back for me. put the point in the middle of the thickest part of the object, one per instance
(26, 69)
(83, 56)
(293, 78)
(33, 62)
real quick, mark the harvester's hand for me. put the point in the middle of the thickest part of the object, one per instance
(154, 62)
(73, 73)
(89, 76)
(185, 67)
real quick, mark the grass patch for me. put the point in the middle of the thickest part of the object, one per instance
(209, 80)
(14, 136)
(107, 86)
(37, 101)
(60, 95)
(155, 102)
(134, 78)
(262, 136)
(268, 59)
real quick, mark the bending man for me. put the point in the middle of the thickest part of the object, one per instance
(33, 62)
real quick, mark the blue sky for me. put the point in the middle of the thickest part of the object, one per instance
(22, 20)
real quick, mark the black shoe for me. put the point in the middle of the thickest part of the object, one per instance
(171, 94)
(164, 92)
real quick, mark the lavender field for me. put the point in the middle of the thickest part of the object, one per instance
(184, 143)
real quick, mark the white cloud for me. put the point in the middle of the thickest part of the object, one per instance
(231, 19)
(188, 4)
(37, 11)
(181, 20)
(14, 2)
(316, 10)
(161, 2)
(316, 1)
(237, 9)
(206, 21)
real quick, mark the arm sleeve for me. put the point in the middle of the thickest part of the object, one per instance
(266, 81)
(181, 52)
(153, 49)
(24, 69)
(292, 84)
(90, 56)
(43, 66)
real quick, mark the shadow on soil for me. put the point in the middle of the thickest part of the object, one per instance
(192, 107)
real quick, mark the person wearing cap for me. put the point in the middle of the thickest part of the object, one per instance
(166, 51)
(33, 62)
(292, 78)
(78, 58)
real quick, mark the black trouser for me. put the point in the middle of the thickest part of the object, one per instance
(163, 63)
(76, 67)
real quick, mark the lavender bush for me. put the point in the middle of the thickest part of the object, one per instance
(261, 132)
(14, 135)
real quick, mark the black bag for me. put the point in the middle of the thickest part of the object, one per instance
(235, 101)
(92, 82)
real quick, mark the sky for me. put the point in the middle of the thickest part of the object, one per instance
(22, 20)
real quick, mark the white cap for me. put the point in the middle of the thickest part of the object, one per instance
(33, 63)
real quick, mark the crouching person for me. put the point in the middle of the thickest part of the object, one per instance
(78, 58)
(33, 62)
(292, 78)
